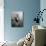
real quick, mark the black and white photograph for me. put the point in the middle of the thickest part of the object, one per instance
(17, 19)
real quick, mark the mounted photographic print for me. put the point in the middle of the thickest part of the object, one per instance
(17, 19)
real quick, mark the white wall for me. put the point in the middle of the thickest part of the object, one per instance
(1, 21)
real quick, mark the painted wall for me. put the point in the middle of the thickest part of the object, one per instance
(43, 6)
(29, 7)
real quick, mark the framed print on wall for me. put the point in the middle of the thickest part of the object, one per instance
(17, 19)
